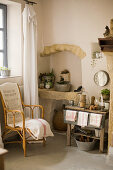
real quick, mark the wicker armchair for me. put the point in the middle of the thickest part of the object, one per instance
(14, 113)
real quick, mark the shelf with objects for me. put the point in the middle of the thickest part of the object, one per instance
(87, 124)
(106, 44)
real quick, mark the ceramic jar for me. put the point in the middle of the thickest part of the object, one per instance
(82, 102)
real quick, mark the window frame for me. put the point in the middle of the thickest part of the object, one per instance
(4, 29)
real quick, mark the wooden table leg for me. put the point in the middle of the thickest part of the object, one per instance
(68, 134)
(1, 163)
(101, 149)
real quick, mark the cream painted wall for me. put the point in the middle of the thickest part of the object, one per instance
(55, 31)
(81, 23)
(43, 63)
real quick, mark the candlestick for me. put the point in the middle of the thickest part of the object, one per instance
(102, 103)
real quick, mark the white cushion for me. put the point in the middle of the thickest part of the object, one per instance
(39, 128)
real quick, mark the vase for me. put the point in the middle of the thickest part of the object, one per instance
(58, 121)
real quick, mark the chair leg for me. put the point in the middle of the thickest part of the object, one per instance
(44, 142)
(24, 143)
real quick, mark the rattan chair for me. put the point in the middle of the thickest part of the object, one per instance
(13, 107)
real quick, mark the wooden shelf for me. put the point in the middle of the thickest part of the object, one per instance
(81, 134)
(87, 135)
(102, 137)
(106, 44)
(86, 110)
(57, 95)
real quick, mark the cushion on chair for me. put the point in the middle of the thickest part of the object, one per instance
(12, 100)
(39, 128)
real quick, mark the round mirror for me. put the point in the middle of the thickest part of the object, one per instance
(101, 78)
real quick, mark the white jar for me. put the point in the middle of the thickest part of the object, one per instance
(97, 132)
(47, 86)
(107, 106)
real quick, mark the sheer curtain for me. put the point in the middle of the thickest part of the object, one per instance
(30, 79)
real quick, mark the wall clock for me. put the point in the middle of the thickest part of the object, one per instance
(101, 78)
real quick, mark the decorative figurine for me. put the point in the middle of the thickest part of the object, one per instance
(111, 27)
(107, 32)
(78, 89)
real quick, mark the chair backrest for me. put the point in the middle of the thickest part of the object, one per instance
(11, 100)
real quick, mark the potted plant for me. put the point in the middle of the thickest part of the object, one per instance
(4, 71)
(106, 94)
(47, 79)
(66, 75)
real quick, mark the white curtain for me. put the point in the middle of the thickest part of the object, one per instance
(30, 56)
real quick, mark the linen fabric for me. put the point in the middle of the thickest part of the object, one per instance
(82, 119)
(71, 115)
(30, 75)
(39, 128)
(95, 119)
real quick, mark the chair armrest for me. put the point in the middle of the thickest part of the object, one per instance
(16, 111)
(34, 106)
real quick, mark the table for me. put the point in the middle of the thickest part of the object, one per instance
(102, 127)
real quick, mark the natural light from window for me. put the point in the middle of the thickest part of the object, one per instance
(1, 37)
(1, 18)
(11, 36)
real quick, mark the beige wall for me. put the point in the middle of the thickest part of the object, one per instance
(81, 23)
(43, 63)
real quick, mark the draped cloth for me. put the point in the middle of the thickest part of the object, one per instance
(30, 79)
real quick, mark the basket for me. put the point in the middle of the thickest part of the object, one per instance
(62, 87)
(85, 146)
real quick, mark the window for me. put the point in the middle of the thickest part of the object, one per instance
(3, 35)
